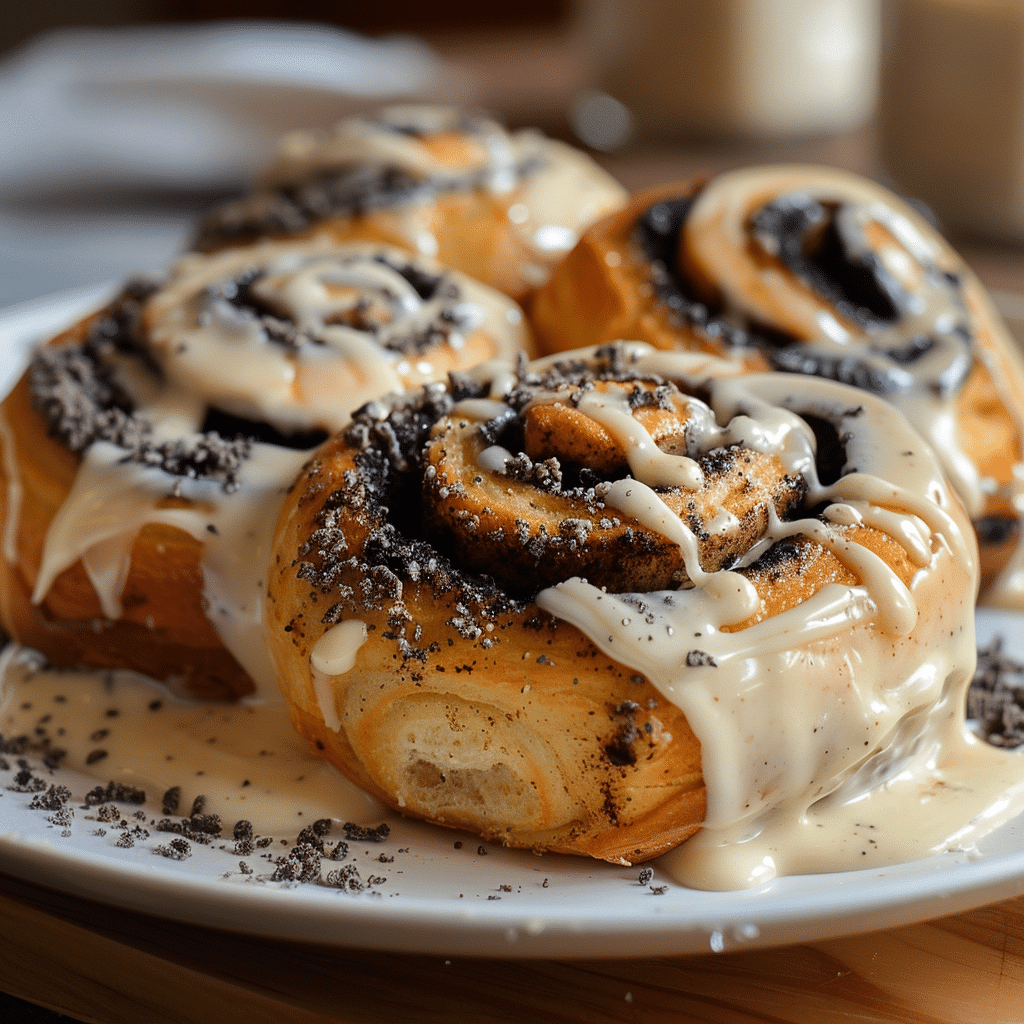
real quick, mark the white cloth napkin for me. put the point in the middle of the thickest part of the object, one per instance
(186, 106)
(110, 138)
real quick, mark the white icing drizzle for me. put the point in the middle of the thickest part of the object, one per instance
(480, 409)
(646, 460)
(111, 500)
(245, 759)
(333, 655)
(852, 693)
(335, 652)
(347, 302)
(493, 458)
(876, 225)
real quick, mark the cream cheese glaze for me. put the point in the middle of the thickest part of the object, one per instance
(916, 347)
(298, 334)
(244, 759)
(110, 502)
(856, 687)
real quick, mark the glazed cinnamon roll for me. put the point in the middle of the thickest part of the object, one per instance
(500, 206)
(812, 270)
(597, 604)
(146, 451)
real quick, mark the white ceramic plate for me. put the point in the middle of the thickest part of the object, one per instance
(446, 893)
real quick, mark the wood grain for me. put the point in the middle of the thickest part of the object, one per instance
(104, 965)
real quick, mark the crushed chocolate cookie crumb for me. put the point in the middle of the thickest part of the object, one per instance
(367, 834)
(996, 696)
(53, 799)
(695, 659)
(301, 864)
(75, 390)
(176, 849)
(108, 813)
(115, 791)
(339, 851)
(545, 475)
(245, 839)
(200, 828)
(26, 782)
(346, 878)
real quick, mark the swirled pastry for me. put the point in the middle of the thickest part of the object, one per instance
(575, 606)
(502, 207)
(812, 270)
(146, 451)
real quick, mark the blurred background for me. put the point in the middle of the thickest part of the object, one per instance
(124, 120)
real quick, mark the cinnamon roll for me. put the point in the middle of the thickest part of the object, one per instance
(812, 270)
(146, 450)
(596, 604)
(500, 206)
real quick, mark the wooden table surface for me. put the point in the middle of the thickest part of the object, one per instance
(99, 964)
(109, 966)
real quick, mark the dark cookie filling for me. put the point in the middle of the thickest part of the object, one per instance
(996, 696)
(657, 233)
(369, 314)
(350, 191)
(389, 464)
(803, 233)
(807, 236)
(75, 388)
